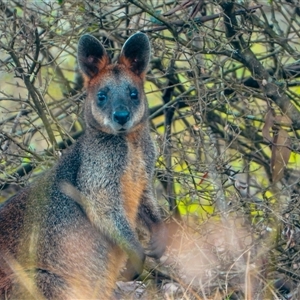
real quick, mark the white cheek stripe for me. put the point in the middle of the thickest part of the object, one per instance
(106, 121)
(139, 114)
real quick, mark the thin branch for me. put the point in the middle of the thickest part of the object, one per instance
(201, 20)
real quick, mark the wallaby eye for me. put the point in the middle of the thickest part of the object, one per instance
(134, 95)
(101, 97)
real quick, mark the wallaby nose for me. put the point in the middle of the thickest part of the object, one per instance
(121, 116)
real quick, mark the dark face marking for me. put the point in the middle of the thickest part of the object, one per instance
(119, 103)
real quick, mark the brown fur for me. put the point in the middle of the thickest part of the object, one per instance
(68, 235)
(133, 183)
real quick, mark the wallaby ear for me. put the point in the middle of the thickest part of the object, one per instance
(92, 56)
(135, 53)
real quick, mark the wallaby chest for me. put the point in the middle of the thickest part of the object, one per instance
(116, 166)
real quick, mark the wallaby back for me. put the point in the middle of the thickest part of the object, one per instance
(68, 235)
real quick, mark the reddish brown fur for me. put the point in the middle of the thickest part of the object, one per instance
(128, 63)
(101, 66)
(107, 72)
(133, 183)
(68, 235)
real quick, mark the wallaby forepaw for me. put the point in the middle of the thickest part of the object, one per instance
(155, 249)
(158, 242)
(137, 260)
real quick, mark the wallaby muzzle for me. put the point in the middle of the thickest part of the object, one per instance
(121, 116)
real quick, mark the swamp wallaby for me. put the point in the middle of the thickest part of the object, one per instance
(68, 234)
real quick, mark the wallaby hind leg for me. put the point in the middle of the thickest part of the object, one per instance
(51, 285)
(40, 285)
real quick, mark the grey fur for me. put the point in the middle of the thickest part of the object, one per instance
(68, 235)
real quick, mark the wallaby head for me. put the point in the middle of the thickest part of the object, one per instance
(116, 101)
